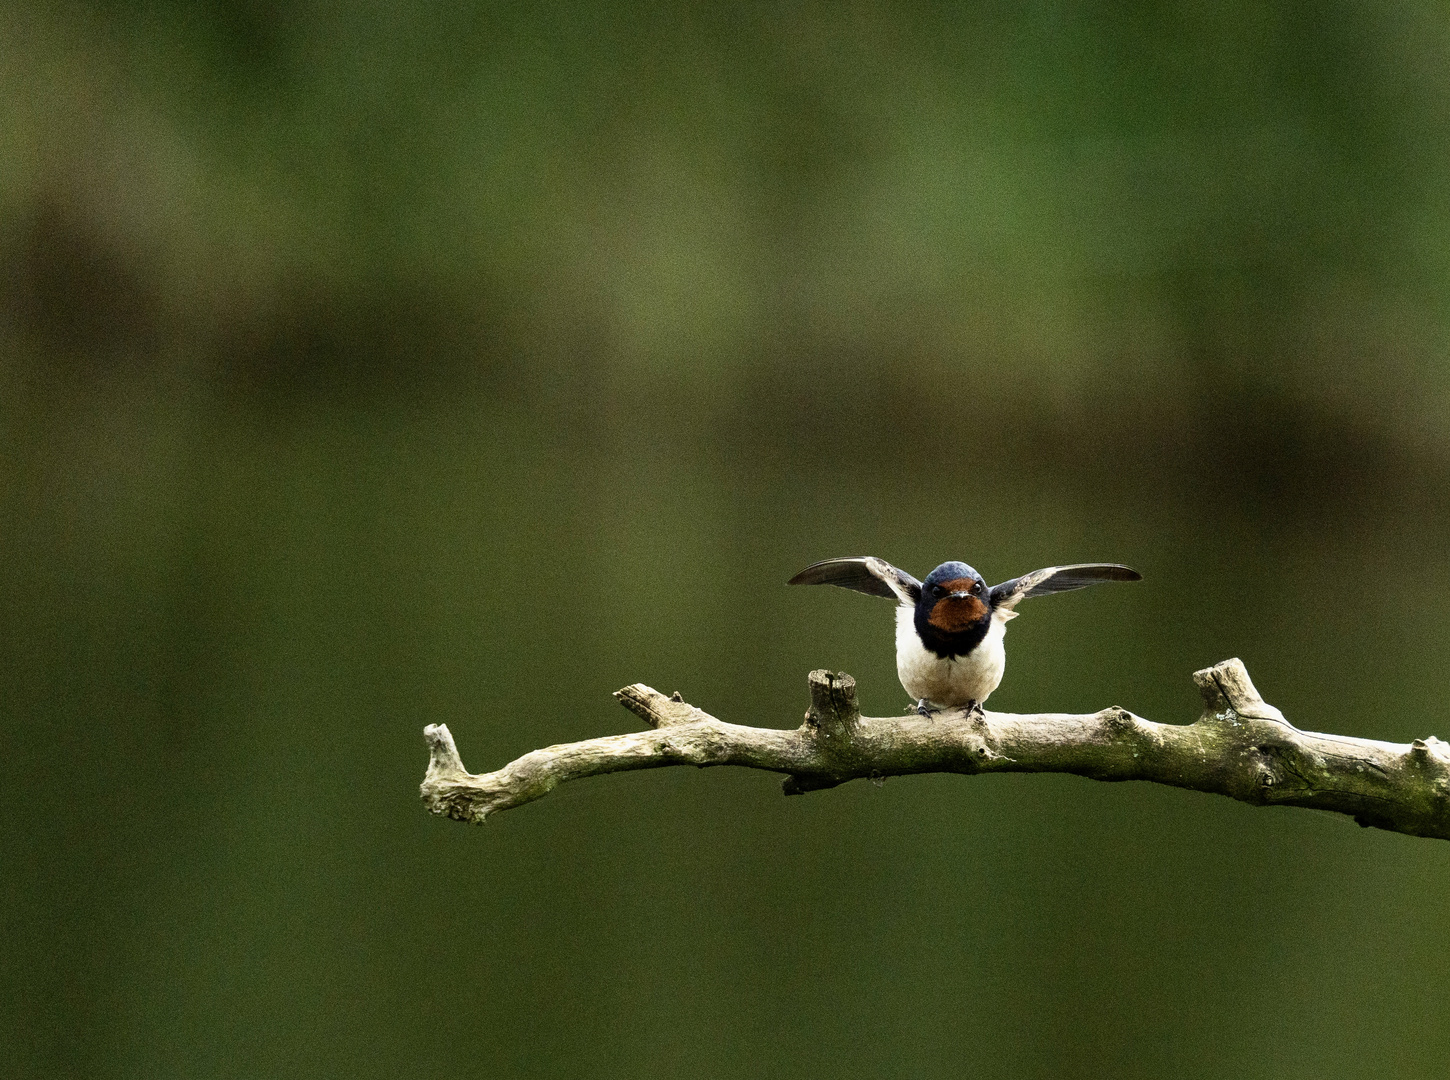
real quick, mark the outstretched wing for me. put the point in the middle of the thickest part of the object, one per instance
(1055, 579)
(873, 576)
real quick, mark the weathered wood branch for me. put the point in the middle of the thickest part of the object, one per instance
(1241, 747)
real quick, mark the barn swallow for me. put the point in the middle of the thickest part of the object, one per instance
(949, 628)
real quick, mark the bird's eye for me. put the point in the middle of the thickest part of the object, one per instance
(976, 587)
(937, 590)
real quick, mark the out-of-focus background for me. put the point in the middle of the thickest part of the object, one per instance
(366, 366)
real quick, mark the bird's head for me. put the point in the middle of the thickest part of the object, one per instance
(953, 599)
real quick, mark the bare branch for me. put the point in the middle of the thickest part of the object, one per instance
(1241, 747)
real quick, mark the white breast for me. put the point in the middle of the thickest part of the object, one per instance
(954, 681)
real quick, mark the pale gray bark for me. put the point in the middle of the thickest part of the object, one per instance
(1241, 747)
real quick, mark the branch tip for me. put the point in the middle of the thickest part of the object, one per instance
(657, 710)
(443, 757)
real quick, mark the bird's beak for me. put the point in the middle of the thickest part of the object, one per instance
(959, 594)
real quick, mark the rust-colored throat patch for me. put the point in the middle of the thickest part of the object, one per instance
(953, 614)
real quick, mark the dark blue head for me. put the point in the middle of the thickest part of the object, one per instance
(954, 611)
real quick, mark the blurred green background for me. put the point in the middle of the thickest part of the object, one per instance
(363, 367)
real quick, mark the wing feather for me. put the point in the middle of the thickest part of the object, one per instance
(1056, 579)
(865, 574)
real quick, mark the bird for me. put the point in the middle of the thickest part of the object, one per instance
(949, 628)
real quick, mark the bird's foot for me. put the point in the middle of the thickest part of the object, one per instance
(974, 708)
(923, 708)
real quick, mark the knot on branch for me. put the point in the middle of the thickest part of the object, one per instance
(834, 712)
(1432, 756)
(1227, 688)
(1276, 774)
(1119, 721)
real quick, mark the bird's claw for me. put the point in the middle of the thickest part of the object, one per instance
(973, 708)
